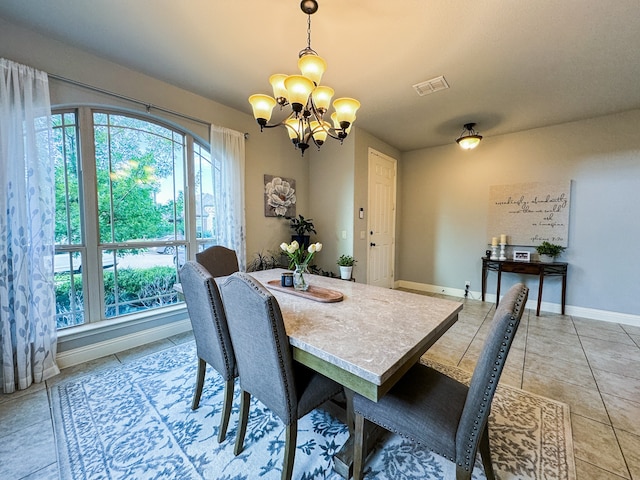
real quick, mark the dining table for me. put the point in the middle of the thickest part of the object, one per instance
(362, 336)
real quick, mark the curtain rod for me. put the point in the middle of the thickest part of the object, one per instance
(148, 106)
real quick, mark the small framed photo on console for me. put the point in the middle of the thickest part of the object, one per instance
(521, 256)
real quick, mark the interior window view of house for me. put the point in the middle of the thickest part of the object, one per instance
(319, 240)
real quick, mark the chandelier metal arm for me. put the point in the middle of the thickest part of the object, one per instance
(311, 111)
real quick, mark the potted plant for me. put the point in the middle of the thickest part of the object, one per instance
(303, 228)
(345, 262)
(548, 251)
(264, 261)
(299, 261)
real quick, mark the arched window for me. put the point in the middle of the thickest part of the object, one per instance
(122, 216)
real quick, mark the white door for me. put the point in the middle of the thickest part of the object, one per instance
(382, 219)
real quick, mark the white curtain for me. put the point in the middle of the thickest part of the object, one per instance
(227, 149)
(27, 222)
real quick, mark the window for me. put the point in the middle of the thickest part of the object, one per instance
(205, 212)
(122, 219)
(70, 309)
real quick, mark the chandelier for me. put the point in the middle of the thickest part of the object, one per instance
(309, 101)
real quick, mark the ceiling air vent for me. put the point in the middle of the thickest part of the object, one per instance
(431, 86)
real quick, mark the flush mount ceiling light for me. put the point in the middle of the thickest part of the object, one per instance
(309, 101)
(469, 138)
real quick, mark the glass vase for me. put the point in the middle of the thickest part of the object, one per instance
(299, 277)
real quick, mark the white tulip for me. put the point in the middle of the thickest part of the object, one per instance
(312, 248)
(318, 247)
(283, 246)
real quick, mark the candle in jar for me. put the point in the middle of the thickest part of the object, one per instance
(503, 238)
(494, 241)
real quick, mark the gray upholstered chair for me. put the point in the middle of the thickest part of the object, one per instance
(440, 413)
(211, 333)
(220, 261)
(265, 363)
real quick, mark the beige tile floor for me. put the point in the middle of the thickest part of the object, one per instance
(593, 366)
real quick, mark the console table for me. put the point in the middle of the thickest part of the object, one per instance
(528, 268)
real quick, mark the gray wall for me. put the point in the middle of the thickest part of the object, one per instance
(331, 179)
(444, 200)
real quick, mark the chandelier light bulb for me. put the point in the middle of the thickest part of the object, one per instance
(346, 109)
(469, 143)
(322, 98)
(319, 131)
(469, 138)
(312, 67)
(262, 107)
(279, 90)
(293, 129)
(298, 88)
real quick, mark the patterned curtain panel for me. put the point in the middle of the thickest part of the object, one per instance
(27, 202)
(227, 148)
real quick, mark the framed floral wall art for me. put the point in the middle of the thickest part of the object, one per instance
(279, 196)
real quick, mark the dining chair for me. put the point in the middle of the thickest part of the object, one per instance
(438, 412)
(265, 363)
(218, 260)
(211, 333)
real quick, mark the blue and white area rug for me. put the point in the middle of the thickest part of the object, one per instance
(136, 422)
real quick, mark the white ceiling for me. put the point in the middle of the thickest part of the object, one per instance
(512, 65)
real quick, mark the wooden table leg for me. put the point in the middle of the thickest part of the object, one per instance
(564, 290)
(343, 459)
(540, 292)
(498, 287)
(484, 281)
(348, 393)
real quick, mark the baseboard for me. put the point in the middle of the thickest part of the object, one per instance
(591, 313)
(86, 353)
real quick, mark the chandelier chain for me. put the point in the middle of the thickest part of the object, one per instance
(309, 31)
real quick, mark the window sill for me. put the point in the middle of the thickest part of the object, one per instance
(104, 326)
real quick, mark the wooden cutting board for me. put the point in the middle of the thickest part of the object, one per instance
(319, 294)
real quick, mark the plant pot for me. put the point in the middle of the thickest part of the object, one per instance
(547, 258)
(303, 241)
(345, 272)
